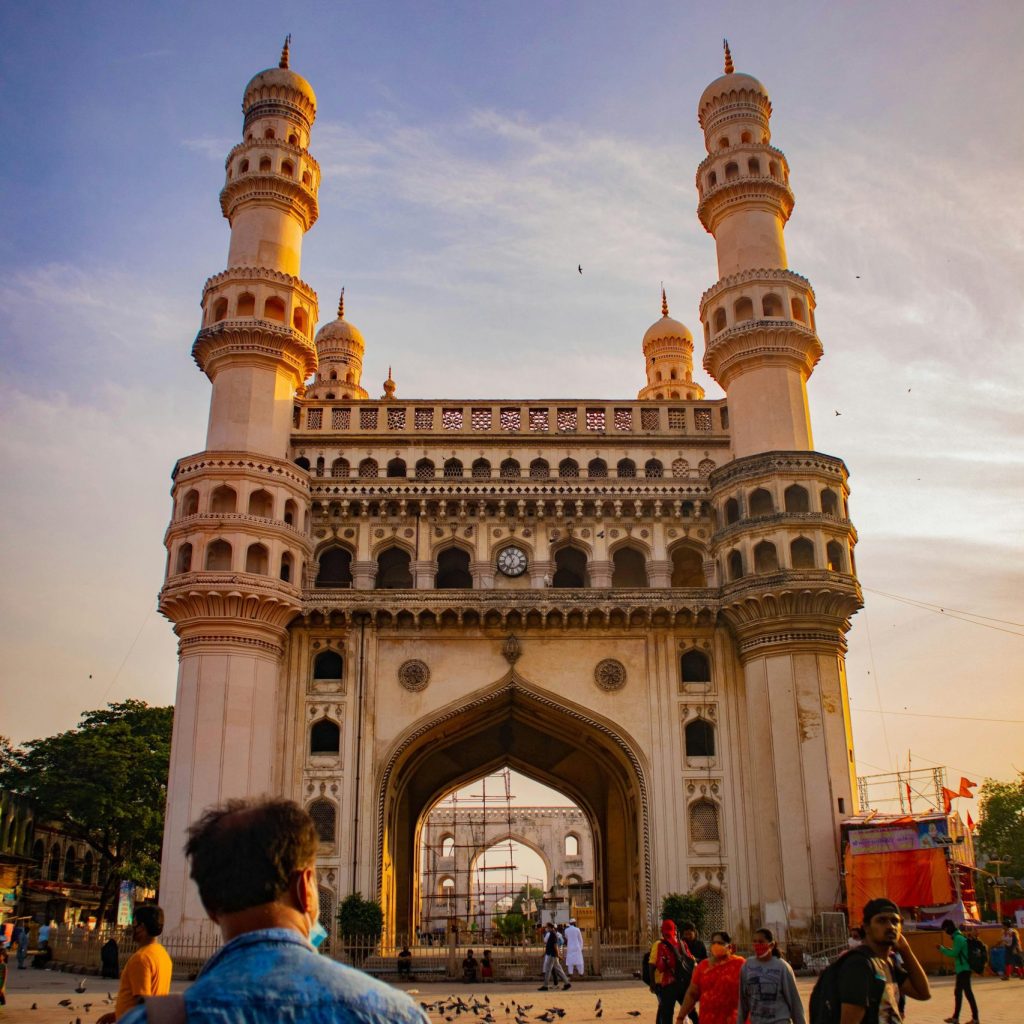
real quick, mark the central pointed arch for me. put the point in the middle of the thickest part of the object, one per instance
(562, 745)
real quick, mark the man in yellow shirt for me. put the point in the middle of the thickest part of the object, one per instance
(148, 971)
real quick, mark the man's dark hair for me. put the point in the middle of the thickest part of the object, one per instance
(151, 917)
(687, 926)
(723, 936)
(244, 852)
(948, 926)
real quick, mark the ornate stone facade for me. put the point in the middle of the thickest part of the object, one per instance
(641, 603)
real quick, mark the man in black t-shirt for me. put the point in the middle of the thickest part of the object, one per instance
(870, 982)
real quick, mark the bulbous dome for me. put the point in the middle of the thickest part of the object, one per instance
(734, 81)
(667, 329)
(282, 85)
(337, 335)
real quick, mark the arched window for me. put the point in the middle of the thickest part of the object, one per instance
(653, 469)
(257, 559)
(220, 309)
(836, 561)
(754, 166)
(325, 818)
(448, 847)
(273, 309)
(320, 464)
(801, 553)
(694, 667)
(799, 310)
(269, 134)
(302, 462)
(629, 568)
(452, 469)
(324, 737)
(396, 468)
(745, 137)
(796, 499)
(69, 865)
(222, 501)
(287, 567)
(190, 505)
(328, 665)
(744, 309)
(340, 467)
(735, 565)
(453, 570)
(424, 470)
(184, 563)
(687, 568)
(261, 503)
(568, 469)
(368, 468)
(481, 470)
(335, 568)
(597, 469)
(288, 168)
(723, 142)
(393, 572)
(243, 167)
(246, 305)
(54, 873)
(732, 511)
(761, 503)
(299, 321)
(766, 558)
(712, 179)
(38, 855)
(704, 822)
(509, 470)
(572, 845)
(87, 868)
(700, 738)
(829, 503)
(732, 170)
(539, 470)
(719, 320)
(293, 139)
(773, 168)
(570, 568)
(680, 469)
(626, 468)
(771, 305)
(218, 556)
(265, 164)
(291, 512)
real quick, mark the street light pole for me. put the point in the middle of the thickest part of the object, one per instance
(997, 886)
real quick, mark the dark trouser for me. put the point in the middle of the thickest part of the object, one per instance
(667, 999)
(963, 988)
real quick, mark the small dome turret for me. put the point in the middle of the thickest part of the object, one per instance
(277, 87)
(339, 348)
(732, 98)
(668, 350)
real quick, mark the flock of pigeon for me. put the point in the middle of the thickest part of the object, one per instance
(85, 1007)
(486, 1012)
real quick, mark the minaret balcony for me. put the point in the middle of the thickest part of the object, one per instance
(791, 521)
(271, 188)
(757, 343)
(741, 193)
(254, 339)
(242, 292)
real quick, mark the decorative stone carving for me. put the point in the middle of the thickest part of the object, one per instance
(414, 675)
(610, 675)
(511, 649)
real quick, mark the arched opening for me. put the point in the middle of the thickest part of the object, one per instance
(481, 469)
(801, 553)
(700, 738)
(597, 469)
(452, 469)
(539, 469)
(287, 568)
(760, 503)
(732, 171)
(261, 503)
(829, 503)
(393, 570)
(324, 737)
(695, 667)
(257, 559)
(265, 164)
(291, 512)
(509, 470)
(246, 305)
(572, 845)
(335, 568)
(325, 817)
(719, 320)
(797, 499)
(453, 570)
(568, 469)
(653, 469)
(552, 742)
(190, 504)
(396, 468)
(626, 469)
(836, 556)
(218, 556)
(288, 168)
(570, 568)
(243, 167)
(220, 309)
(424, 470)
(302, 462)
(745, 137)
(732, 511)
(448, 849)
(368, 468)
(773, 169)
(766, 558)
(704, 822)
(735, 562)
(54, 873)
(321, 464)
(799, 310)
(293, 139)
(273, 309)
(744, 309)
(328, 665)
(87, 864)
(629, 568)
(771, 305)
(687, 567)
(184, 563)
(723, 142)
(69, 865)
(223, 501)
(269, 134)
(712, 179)
(754, 166)
(299, 320)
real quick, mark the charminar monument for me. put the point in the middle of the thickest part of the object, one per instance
(639, 602)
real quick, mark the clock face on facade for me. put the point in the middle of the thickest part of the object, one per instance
(512, 561)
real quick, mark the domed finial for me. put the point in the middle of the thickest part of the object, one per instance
(341, 305)
(664, 302)
(729, 69)
(389, 387)
(283, 62)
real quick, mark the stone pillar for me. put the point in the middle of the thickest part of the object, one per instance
(601, 574)
(364, 574)
(423, 573)
(659, 573)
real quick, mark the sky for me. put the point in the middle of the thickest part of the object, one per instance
(473, 154)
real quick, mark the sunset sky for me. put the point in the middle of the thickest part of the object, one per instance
(473, 155)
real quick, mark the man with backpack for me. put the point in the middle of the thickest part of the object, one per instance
(863, 986)
(962, 970)
(671, 968)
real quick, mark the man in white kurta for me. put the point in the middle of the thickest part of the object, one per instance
(573, 948)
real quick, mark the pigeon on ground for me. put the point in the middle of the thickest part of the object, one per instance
(64, 1002)
(80, 987)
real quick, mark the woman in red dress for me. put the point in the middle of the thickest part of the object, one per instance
(716, 984)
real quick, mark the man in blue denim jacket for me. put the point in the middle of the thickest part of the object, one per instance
(255, 866)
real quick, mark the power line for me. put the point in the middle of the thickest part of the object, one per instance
(922, 714)
(951, 613)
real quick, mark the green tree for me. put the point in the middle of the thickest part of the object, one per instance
(105, 782)
(1001, 824)
(511, 926)
(527, 900)
(358, 917)
(680, 907)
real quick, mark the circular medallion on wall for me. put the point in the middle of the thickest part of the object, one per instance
(414, 674)
(610, 675)
(512, 560)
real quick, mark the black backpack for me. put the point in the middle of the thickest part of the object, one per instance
(977, 955)
(824, 1007)
(682, 969)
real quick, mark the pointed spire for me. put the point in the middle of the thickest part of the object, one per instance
(664, 302)
(341, 305)
(729, 69)
(389, 387)
(283, 62)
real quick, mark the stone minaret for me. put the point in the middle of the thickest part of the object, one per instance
(783, 540)
(668, 355)
(238, 541)
(758, 319)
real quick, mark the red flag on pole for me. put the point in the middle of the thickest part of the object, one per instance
(910, 802)
(948, 796)
(970, 822)
(965, 788)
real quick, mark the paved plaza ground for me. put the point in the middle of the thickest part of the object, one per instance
(999, 1002)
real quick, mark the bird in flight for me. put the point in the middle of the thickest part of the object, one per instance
(580, 268)
(838, 413)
